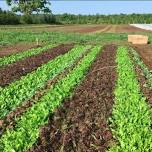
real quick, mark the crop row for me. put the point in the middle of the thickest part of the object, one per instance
(131, 122)
(25, 133)
(23, 89)
(15, 57)
(147, 73)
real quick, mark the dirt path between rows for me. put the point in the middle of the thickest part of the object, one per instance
(16, 48)
(145, 89)
(20, 68)
(143, 81)
(145, 52)
(80, 124)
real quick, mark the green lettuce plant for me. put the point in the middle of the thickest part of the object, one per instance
(15, 57)
(23, 89)
(131, 116)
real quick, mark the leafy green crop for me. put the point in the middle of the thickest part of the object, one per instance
(131, 123)
(25, 133)
(23, 89)
(15, 57)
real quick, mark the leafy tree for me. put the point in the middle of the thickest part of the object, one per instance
(27, 7)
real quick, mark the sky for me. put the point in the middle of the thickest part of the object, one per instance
(94, 7)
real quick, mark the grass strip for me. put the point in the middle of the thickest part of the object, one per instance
(23, 89)
(25, 133)
(21, 55)
(131, 123)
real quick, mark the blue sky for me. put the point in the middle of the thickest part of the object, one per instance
(93, 7)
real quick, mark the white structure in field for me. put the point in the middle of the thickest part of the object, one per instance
(143, 26)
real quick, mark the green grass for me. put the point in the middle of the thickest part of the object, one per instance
(8, 38)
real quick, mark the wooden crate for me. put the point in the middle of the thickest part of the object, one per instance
(138, 39)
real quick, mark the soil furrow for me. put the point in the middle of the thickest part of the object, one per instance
(9, 120)
(145, 54)
(20, 68)
(80, 124)
(143, 85)
(143, 81)
(16, 48)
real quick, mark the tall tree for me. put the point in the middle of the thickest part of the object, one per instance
(27, 7)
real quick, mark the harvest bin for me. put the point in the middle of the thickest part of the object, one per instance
(138, 39)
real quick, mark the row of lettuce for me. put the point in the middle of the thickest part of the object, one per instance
(23, 89)
(26, 131)
(131, 116)
(21, 55)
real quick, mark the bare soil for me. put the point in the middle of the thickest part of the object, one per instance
(90, 29)
(14, 71)
(122, 29)
(81, 28)
(145, 56)
(128, 29)
(81, 123)
(143, 85)
(101, 28)
(145, 52)
(12, 49)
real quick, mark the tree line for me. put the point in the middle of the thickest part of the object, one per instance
(39, 12)
(10, 18)
(104, 19)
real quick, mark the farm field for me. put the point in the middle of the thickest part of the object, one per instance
(82, 88)
(75, 28)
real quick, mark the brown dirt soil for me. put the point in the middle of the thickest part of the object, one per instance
(80, 124)
(100, 28)
(83, 28)
(145, 52)
(143, 81)
(122, 29)
(12, 49)
(80, 28)
(147, 91)
(9, 120)
(90, 29)
(12, 72)
(128, 29)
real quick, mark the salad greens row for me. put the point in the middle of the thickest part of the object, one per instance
(21, 55)
(26, 131)
(23, 89)
(131, 122)
(147, 73)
